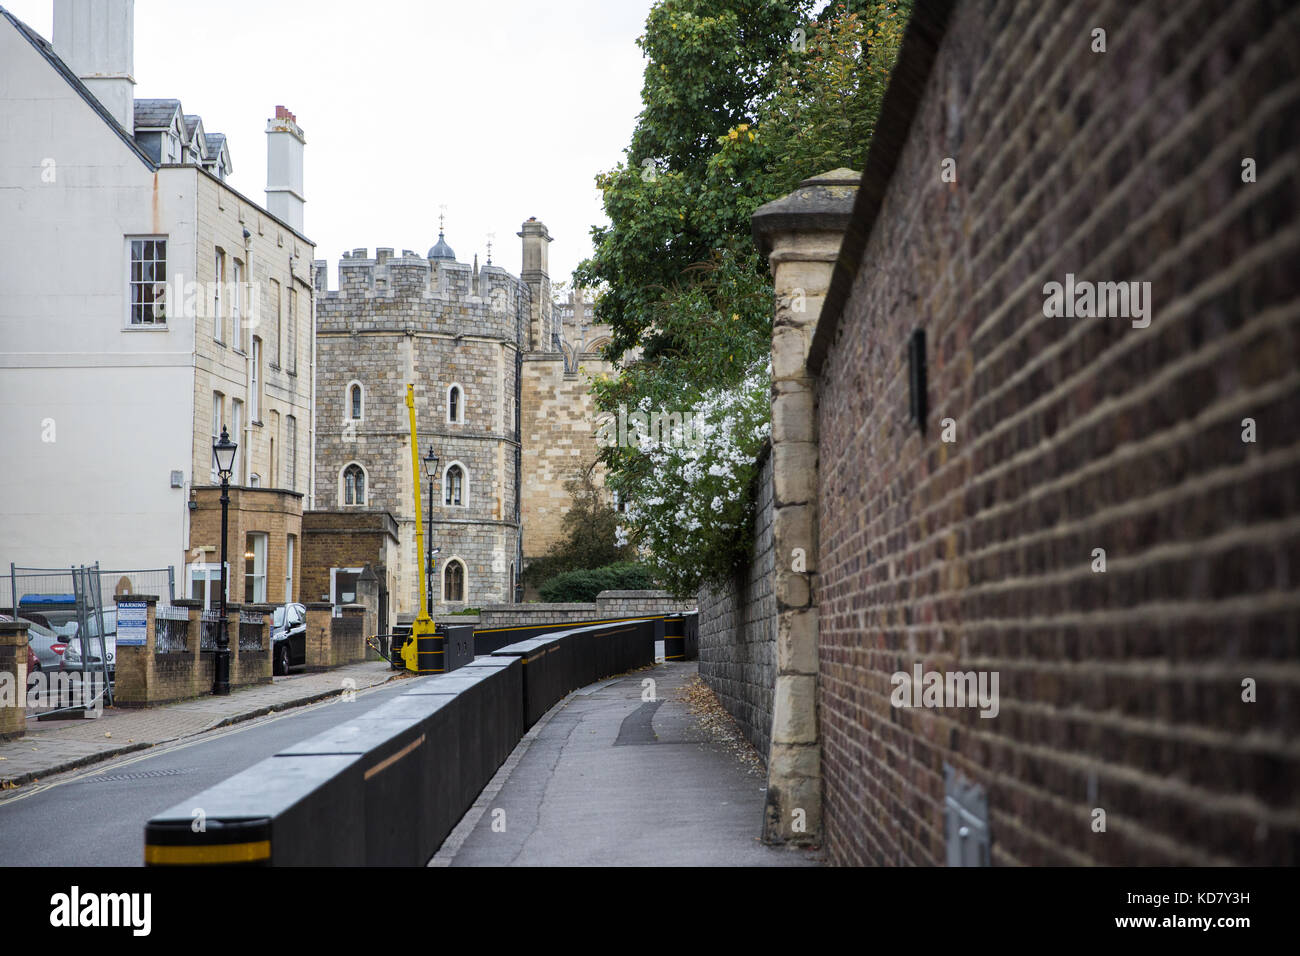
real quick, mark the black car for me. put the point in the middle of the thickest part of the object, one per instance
(288, 637)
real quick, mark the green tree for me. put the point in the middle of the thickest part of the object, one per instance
(742, 100)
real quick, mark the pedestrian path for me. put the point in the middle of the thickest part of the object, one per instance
(53, 746)
(608, 778)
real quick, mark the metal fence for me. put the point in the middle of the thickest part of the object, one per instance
(250, 630)
(110, 584)
(70, 603)
(171, 630)
(212, 625)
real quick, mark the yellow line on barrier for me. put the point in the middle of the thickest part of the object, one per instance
(385, 764)
(211, 853)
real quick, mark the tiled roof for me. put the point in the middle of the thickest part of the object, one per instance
(155, 114)
(47, 51)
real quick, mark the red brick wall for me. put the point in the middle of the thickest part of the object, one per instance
(1119, 690)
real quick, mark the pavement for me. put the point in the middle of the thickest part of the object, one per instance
(608, 778)
(54, 746)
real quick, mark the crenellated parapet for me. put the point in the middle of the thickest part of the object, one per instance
(396, 293)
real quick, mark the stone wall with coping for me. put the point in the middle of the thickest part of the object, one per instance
(738, 629)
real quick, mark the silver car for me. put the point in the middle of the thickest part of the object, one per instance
(48, 645)
(72, 660)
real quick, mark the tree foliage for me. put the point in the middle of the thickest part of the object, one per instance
(742, 100)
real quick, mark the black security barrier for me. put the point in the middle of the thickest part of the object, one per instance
(558, 663)
(493, 639)
(386, 787)
(691, 630)
(458, 645)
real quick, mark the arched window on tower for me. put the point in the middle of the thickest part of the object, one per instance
(453, 484)
(354, 485)
(455, 404)
(453, 582)
(354, 402)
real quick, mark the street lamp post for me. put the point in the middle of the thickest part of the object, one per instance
(431, 472)
(223, 453)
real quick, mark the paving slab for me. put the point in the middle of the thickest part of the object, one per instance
(609, 779)
(53, 746)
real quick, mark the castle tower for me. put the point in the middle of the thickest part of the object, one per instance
(536, 238)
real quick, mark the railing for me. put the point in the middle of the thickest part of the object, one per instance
(250, 630)
(212, 625)
(171, 630)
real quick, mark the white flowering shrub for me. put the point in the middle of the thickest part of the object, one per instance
(692, 505)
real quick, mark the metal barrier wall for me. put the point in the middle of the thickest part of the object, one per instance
(386, 788)
(488, 640)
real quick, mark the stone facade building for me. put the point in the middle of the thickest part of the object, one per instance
(498, 397)
(187, 311)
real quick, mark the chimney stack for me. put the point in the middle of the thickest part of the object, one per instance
(284, 146)
(536, 238)
(96, 39)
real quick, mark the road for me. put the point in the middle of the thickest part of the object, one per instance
(96, 816)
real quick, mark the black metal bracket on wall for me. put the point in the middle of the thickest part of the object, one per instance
(918, 406)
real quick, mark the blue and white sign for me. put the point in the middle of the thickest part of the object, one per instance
(132, 623)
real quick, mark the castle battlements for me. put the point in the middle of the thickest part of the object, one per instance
(411, 275)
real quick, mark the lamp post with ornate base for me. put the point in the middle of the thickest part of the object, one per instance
(223, 453)
(431, 472)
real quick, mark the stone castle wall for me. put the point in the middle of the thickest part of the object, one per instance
(559, 442)
(738, 630)
(405, 319)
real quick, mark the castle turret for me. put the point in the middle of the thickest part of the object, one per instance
(536, 238)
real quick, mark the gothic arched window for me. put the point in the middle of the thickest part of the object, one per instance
(453, 484)
(354, 402)
(455, 404)
(453, 582)
(354, 485)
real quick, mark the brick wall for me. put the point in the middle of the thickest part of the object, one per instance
(1119, 690)
(738, 631)
(272, 512)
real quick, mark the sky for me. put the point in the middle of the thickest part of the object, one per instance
(498, 111)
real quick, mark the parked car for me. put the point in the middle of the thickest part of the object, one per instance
(72, 660)
(288, 637)
(43, 642)
(33, 672)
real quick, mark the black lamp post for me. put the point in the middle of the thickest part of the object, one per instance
(223, 453)
(431, 472)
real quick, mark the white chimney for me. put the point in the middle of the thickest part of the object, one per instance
(96, 38)
(284, 145)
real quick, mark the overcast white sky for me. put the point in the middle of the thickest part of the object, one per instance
(499, 110)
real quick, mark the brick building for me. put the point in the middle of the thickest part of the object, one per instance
(992, 477)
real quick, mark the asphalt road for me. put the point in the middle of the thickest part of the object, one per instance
(96, 816)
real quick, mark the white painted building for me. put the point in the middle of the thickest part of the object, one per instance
(112, 383)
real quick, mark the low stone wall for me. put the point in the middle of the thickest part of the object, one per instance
(738, 631)
(608, 604)
(151, 673)
(13, 678)
(334, 641)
